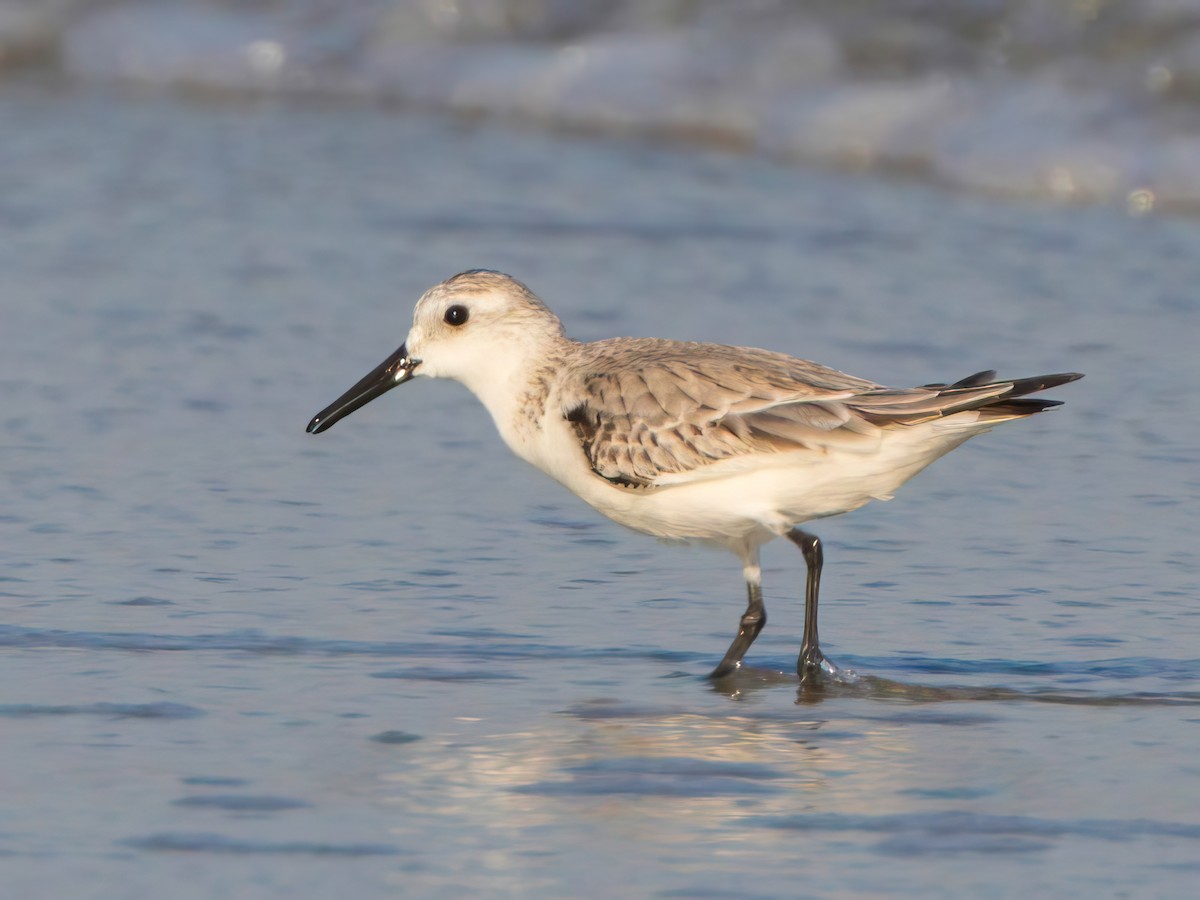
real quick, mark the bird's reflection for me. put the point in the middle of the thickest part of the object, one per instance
(750, 680)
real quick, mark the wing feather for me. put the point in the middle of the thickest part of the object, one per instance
(646, 411)
(642, 409)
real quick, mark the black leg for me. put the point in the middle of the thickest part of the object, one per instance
(753, 620)
(811, 657)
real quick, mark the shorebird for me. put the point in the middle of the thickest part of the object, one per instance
(690, 442)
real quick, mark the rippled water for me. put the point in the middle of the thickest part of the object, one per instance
(236, 658)
(1077, 101)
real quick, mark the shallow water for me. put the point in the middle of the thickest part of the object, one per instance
(392, 659)
(1080, 101)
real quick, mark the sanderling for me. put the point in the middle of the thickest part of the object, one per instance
(690, 442)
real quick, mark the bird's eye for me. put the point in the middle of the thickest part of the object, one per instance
(457, 315)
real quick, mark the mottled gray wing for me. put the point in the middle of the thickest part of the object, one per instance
(644, 410)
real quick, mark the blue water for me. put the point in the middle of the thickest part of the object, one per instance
(239, 659)
(1075, 102)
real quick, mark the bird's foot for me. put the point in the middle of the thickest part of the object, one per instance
(815, 668)
(725, 668)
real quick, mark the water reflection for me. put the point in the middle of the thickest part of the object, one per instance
(750, 680)
(746, 777)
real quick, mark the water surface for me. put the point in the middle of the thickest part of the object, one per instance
(1081, 101)
(236, 658)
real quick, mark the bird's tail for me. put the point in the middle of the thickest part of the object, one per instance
(1012, 403)
(993, 400)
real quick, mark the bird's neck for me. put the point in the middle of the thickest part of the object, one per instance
(516, 388)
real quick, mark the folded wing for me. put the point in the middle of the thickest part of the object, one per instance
(646, 410)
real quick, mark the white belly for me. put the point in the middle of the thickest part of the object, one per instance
(752, 499)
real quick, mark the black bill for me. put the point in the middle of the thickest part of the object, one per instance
(396, 369)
